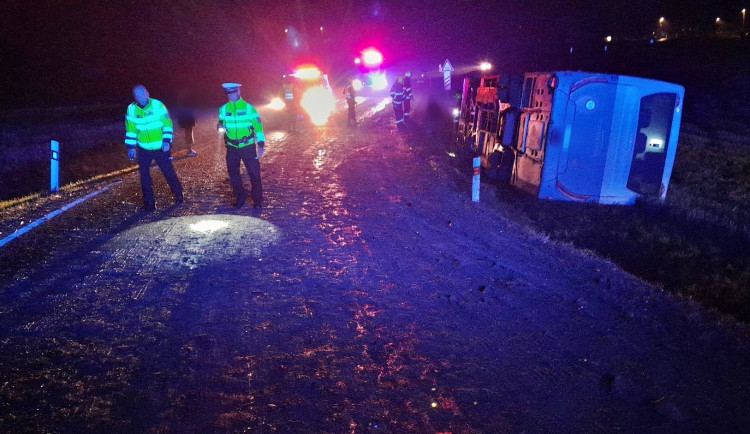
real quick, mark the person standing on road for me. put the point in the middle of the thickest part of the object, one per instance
(290, 93)
(149, 129)
(186, 120)
(242, 129)
(351, 101)
(407, 97)
(397, 98)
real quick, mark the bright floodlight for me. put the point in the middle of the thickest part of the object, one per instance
(307, 73)
(276, 104)
(609, 39)
(319, 103)
(357, 61)
(717, 20)
(456, 112)
(661, 20)
(372, 57)
(485, 66)
(207, 226)
(357, 84)
(379, 81)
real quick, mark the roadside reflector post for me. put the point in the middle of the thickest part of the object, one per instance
(446, 68)
(54, 167)
(475, 180)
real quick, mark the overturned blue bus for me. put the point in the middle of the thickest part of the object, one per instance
(575, 136)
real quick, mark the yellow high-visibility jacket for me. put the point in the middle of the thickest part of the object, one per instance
(242, 124)
(148, 126)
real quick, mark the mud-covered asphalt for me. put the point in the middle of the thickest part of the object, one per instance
(369, 295)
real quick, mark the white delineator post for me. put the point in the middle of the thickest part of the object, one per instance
(475, 179)
(446, 68)
(54, 167)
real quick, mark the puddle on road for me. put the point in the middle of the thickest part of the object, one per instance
(276, 136)
(376, 108)
(320, 160)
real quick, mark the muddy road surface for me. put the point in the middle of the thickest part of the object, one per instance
(368, 295)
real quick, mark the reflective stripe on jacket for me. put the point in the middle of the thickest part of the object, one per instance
(350, 94)
(397, 93)
(407, 88)
(148, 126)
(241, 120)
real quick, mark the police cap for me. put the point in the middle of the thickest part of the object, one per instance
(230, 87)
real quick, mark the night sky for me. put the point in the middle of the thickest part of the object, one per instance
(79, 50)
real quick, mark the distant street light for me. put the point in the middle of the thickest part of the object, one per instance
(717, 20)
(743, 17)
(661, 21)
(609, 39)
(485, 66)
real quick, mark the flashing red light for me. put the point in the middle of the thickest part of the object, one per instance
(372, 57)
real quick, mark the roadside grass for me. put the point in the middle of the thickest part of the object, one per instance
(696, 244)
(90, 144)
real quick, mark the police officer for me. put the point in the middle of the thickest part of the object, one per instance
(397, 97)
(290, 93)
(243, 130)
(407, 96)
(351, 101)
(149, 129)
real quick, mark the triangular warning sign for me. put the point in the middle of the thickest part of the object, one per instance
(446, 66)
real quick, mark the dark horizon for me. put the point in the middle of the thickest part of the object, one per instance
(75, 51)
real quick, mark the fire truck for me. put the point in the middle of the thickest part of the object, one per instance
(574, 136)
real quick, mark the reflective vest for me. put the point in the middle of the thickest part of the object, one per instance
(397, 93)
(242, 123)
(148, 126)
(289, 92)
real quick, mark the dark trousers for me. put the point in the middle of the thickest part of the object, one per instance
(247, 156)
(145, 158)
(352, 119)
(398, 110)
(189, 138)
(407, 107)
(291, 115)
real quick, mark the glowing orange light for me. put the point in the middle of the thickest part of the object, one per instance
(276, 104)
(307, 73)
(319, 103)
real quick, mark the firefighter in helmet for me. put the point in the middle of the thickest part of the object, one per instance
(243, 130)
(397, 98)
(351, 101)
(290, 94)
(407, 96)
